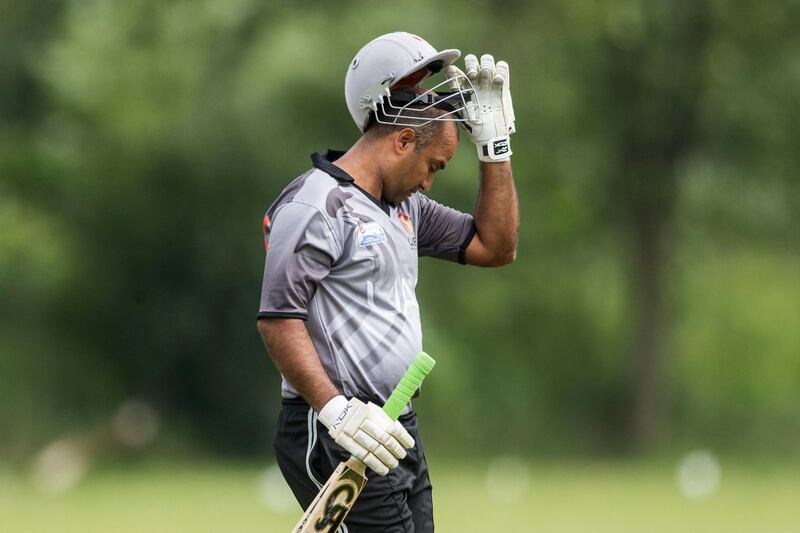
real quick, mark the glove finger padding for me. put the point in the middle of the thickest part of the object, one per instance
(384, 439)
(352, 447)
(456, 77)
(487, 70)
(378, 460)
(402, 436)
(498, 80)
(376, 465)
(502, 70)
(391, 430)
(471, 66)
(385, 457)
(366, 440)
(508, 107)
(460, 82)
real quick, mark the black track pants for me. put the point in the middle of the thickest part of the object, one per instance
(399, 502)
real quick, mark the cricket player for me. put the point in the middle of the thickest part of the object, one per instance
(339, 314)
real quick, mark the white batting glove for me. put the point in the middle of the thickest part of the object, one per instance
(366, 432)
(489, 124)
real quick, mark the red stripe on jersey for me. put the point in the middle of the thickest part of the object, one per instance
(264, 226)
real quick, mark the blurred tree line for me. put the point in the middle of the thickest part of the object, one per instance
(654, 301)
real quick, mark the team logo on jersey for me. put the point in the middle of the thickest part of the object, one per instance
(405, 221)
(369, 234)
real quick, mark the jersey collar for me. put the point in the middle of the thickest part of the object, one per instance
(324, 162)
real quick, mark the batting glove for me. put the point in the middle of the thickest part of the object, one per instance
(366, 432)
(490, 123)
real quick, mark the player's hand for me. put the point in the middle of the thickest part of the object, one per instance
(490, 123)
(366, 432)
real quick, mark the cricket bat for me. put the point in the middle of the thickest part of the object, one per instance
(329, 509)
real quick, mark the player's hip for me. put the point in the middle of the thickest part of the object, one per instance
(307, 455)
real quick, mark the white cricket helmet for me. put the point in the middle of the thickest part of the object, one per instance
(402, 57)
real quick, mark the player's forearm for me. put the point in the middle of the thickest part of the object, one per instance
(497, 212)
(297, 359)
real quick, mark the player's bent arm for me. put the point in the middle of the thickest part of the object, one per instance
(496, 218)
(363, 429)
(295, 357)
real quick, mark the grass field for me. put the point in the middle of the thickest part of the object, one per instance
(512, 497)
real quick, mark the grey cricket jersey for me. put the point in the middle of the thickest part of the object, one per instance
(346, 263)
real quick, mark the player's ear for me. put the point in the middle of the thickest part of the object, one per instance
(405, 140)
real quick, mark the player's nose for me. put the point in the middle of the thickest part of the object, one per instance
(426, 185)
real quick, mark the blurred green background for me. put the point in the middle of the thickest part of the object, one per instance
(640, 361)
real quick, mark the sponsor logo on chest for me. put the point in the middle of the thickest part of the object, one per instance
(369, 234)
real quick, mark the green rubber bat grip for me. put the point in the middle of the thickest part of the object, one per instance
(412, 379)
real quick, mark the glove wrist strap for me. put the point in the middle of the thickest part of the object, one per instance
(495, 150)
(334, 412)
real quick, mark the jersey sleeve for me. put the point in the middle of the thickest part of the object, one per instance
(443, 232)
(301, 247)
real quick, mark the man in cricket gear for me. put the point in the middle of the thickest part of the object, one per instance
(338, 312)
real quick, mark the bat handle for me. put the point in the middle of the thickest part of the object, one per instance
(410, 382)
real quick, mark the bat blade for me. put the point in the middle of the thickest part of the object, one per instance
(329, 509)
